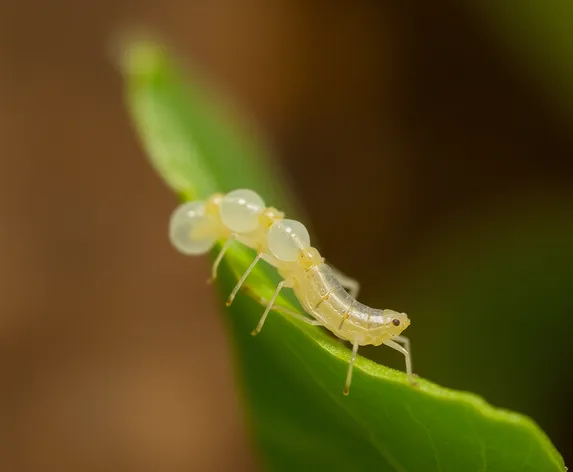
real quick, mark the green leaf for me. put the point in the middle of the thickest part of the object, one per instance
(292, 374)
(193, 143)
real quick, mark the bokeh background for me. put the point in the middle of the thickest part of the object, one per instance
(429, 142)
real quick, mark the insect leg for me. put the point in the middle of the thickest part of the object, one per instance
(405, 351)
(350, 284)
(269, 307)
(405, 342)
(346, 390)
(285, 311)
(242, 279)
(289, 312)
(220, 256)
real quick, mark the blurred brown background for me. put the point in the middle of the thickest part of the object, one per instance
(102, 362)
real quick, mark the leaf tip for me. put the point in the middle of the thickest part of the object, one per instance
(136, 53)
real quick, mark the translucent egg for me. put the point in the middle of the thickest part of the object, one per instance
(240, 210)
(286, 238)
(183, 225)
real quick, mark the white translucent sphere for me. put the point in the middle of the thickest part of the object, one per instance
(240, 210)
(184, 220)
(286, 238)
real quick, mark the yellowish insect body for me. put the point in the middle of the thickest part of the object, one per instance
(242, 216)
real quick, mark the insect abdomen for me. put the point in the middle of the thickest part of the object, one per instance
(328, 301)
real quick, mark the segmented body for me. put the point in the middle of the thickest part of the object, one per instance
(242, 216)
(322, 296)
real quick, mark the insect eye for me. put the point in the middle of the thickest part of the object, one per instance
(396, 322)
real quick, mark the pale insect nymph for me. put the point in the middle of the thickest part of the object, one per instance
(242, 216)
